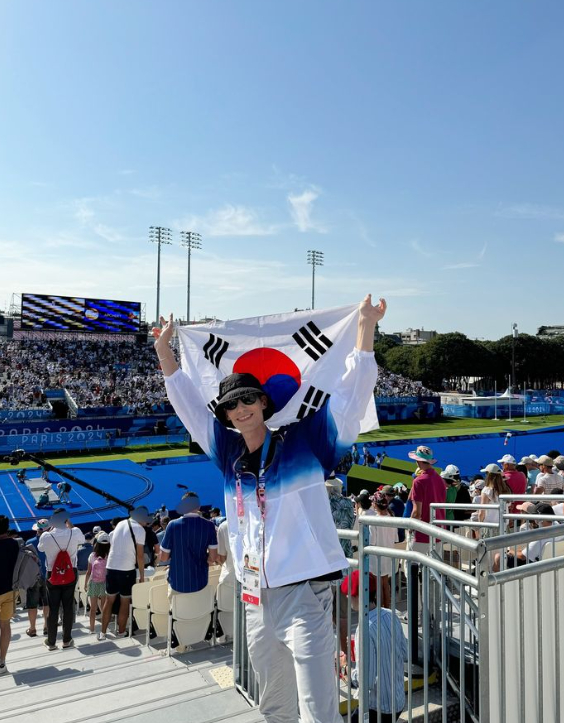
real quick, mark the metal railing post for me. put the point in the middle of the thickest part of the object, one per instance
(482, 572)
(363, 652)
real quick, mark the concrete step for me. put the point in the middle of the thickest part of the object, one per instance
(119, 679)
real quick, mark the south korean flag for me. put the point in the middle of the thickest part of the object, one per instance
(298, 358)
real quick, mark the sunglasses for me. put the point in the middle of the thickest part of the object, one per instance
(247, 400)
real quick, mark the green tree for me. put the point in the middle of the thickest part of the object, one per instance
(401, 360)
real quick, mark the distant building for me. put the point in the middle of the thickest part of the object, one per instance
(549, 332)
(415, 336)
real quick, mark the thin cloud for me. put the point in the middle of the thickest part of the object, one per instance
(483, 252)
(530, 211)
(416, 246)
(229, 220)
(301, 209)
(559, 238)
(462, 265)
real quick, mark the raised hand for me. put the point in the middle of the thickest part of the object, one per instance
(163, 335)
(372, 313)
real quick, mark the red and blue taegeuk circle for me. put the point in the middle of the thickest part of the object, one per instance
(279, 376)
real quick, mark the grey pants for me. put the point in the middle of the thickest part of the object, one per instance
(292, 649)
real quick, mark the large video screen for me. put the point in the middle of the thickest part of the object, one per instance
(69, 313)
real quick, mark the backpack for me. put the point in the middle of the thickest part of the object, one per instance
(98, 569)
(27, 569)
(62, 572)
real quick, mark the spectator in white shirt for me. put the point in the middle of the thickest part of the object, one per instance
(533, 551)
(547, 480)
(61, 536)
(127, 551)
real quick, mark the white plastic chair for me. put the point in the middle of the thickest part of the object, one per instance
(547, 553)
(80, 592)
(191, 615)
(159, 610)
(139, 606)
(225, 602)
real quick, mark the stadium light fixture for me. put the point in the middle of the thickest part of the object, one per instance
(191, 241)
(159, 235)
(315, 258)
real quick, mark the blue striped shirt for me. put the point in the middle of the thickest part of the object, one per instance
(383, 643)
(187, 540)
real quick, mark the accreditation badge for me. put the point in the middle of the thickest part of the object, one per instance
(251, 578)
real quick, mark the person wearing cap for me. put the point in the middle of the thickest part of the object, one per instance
(95, 580)
(395, 504)
(62, 535)
(559, 464)
(190, 543)
(84, 552)
(126, 553)
(386, 694)
(495, 485)
(278, 511)
(516, 480)
(383, 537)
(548, 479)
(457, 493)
(37, 594)
(533, 551)
(427, 488)
(533, 471)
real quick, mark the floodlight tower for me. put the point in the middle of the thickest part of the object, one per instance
(315, 258)
(159, 235)
(191, 241)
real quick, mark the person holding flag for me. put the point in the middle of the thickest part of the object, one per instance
(278, 513)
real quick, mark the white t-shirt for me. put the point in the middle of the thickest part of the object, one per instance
(227, 574)
(123, 554)
(55, 540)
(379, 537)
(534, 550)
(490, 499)
(549, 481)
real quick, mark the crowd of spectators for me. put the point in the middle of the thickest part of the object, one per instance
(110, 373)
(95, 373)
(395, 385)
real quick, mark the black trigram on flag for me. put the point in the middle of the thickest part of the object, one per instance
(214, 348)
(212, 405)
(314, 399)
(312, 341)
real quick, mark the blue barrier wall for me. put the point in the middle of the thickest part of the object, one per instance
(393, 409)
(503, 410)
(128, 426)
(81, 441)
(13, 414)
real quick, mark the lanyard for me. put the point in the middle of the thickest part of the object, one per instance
(260, 489)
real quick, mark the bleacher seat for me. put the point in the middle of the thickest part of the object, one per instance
(159, 609)
(225, 603)
(191, 615)
(139, 606)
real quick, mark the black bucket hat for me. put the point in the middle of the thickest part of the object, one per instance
(236, 386)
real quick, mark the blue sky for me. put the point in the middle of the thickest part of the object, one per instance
(417, 144)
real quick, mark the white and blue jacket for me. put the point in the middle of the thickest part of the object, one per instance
(300, 538)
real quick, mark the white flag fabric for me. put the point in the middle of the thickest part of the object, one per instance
(298, 358)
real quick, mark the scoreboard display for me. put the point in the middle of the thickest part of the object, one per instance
(41, 312)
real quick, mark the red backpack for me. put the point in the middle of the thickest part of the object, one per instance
(62, 572)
